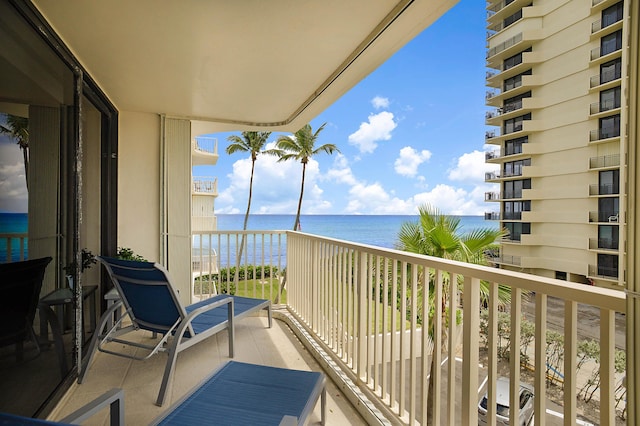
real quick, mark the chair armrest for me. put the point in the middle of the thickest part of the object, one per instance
(289, 421)
(113, 398)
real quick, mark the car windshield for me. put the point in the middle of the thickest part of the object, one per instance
(503, 410)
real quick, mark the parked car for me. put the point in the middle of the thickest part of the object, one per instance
(526, 398)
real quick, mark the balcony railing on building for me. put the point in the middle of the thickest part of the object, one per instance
(366, 309)
(208, 145)
(604, 189)
(604, 133)
(205, 185)
(597, 52)
(506, 260)
(603, 244)
(604, 216)
(488, 176)
(604, 161)
(504, 45)
(601, 271)
(13, 247)
(607, 105)
(606, 77)
(491, 155)
(492, 216)
(491, 196)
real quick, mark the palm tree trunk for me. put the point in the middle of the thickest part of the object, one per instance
(236, 277)
(296, 224)
(25, 156)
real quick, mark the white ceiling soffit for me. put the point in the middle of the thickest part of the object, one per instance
(248, 63)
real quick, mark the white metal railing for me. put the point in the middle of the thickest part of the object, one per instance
(205, 144)
(13, 247)
(216, 258)
(366, 305)
(205, 185)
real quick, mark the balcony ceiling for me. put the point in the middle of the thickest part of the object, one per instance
(275, 64)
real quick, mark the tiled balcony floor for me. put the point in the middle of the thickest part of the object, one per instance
(254, 343)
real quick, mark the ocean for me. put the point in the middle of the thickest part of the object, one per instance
(377, 230)
(12, 223)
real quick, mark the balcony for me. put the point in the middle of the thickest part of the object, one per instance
(604, 161)
(606, 134)
(603, 244)
(604, 189)
(204, 151)
(603, 272)
(492, 216)
(491, 196)
(205, 185)
(491, 176)
(597, 56)
(606, 77)
(609, 106)
(604, 216)
(491, 155)
(371, 344)
(13, 247)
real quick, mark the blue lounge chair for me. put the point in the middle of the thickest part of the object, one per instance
(151, 303)
(250, 394)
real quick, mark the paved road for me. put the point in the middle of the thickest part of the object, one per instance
(588, 319)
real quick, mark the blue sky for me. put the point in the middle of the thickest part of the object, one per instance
(411, 133)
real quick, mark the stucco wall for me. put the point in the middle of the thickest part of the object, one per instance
(138, 184)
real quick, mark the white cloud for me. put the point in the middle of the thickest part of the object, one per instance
(452, 200)
(378, 128)
(409, 159)
(379, 102)
(13, 188)
(471, 167)
(276, 187)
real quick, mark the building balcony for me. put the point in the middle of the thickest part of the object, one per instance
(491, 155)
(598, 109)
(205, 185)
(204, 151)
(604, 81)
(604, 162)
(492, 216)
(603, 272)
(604, 216)
(371, 344)
(604, 189)
(492, 196)
(598, 30)
(598, 57)
(599, 5)
(603, 244)
(492, 176)
(502, 259)
(604, 135)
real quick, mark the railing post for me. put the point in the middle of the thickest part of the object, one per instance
(470, 359)
(362, 316)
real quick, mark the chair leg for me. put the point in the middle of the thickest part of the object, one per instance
(323, 406)
(268, 308)
(168, 371)
(106, 319)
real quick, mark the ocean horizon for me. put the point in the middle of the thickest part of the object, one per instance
(377, 230)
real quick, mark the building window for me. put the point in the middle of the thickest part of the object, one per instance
(609, 127)
(612, 14)
(561, 275)
(608, 237)
(515, 102)
(608, 209)
(512, 210)
(515, 81)
(513, 188)
(610, 43)
(610, 99)
(513, 18)
(515, 124)
(609, 182)
(517, 229)
(514, 146)
(610, 71)
(514, 168)
(608, 265)
(513, 60)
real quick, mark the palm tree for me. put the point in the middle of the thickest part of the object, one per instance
(18, 129)
(253, 143)
(301, 146)
(439, 235)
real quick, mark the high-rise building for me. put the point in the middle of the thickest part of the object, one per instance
(558, 76)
